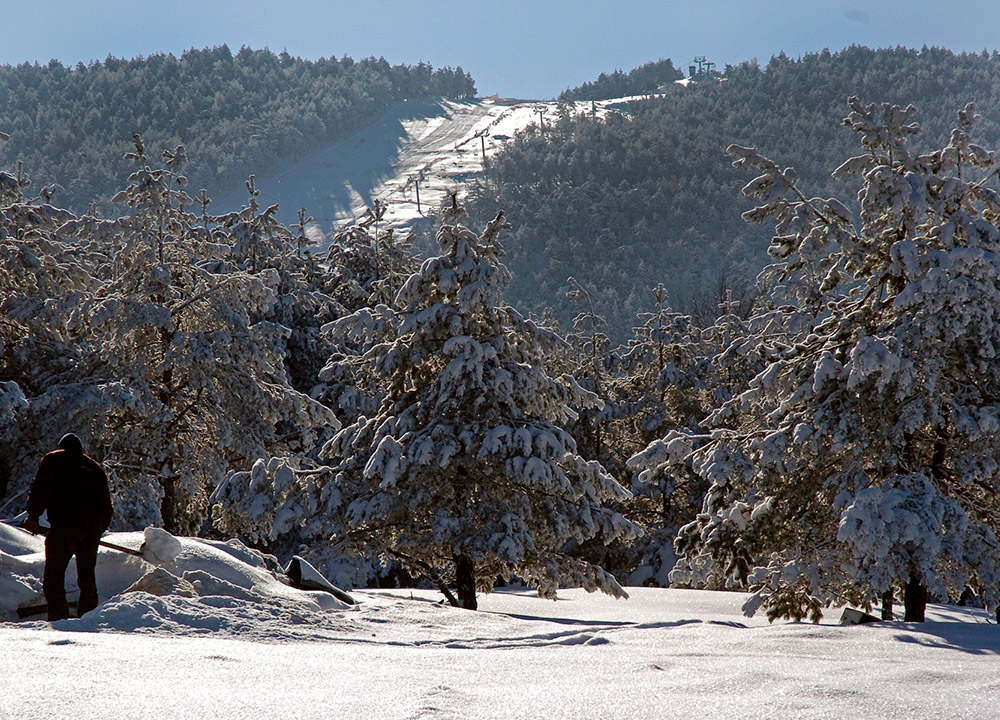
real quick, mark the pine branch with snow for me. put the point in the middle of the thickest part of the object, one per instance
(465, 468)
(159, 346)
(862, 457)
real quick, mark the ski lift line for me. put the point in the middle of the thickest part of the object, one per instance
(419, 176)
(469, 139)
(493, 123)
(394, 189)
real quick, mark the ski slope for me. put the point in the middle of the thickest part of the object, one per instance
(425, 148)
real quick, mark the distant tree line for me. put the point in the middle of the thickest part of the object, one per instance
(647, 196)
(237, 113)
(648, 78)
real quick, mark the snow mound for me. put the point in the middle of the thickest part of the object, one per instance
(159, 582)
(218, 608)
(15, 541)
(20, 582)
(160, 546)
(192, 587)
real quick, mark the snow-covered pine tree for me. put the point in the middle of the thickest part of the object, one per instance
(152, 337)
(658, 385)
(172, 374)
(466, 463)
(363, 275)
(661, 373)
(190, 324)
(465, 471)
(864, 456)
(256, 243)
(591, 348)
(43, 282)
(368, 263)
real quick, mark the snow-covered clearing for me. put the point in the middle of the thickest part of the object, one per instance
(438, 145)
(235, 642)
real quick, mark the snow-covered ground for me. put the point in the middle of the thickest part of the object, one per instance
(433, 146)
(227, 639)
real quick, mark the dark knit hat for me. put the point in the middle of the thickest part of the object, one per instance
(70, 443)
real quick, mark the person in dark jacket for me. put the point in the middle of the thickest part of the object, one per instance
(73, 488)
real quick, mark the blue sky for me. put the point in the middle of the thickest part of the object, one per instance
(518, 48)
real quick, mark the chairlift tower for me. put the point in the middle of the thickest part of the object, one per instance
(482, 134)
(702, 66)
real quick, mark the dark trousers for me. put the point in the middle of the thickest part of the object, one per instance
(60, 545)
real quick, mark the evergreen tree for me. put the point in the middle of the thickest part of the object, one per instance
(465, 470)
(647, 78)
(625, 200)
(43, 282)
(660, 385)
(155, 347)
(592, 347)
(863, 456)
(237, 114)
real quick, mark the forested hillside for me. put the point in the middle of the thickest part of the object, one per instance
(236, 114)
(647, 78)
(393, 420)
(650, 196)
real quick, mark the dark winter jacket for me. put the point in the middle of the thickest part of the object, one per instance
(74, 489)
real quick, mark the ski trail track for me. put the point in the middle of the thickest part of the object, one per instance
(435, 144)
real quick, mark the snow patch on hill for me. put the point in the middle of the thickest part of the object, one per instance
(425, 148)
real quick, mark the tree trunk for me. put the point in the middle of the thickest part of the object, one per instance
(168, 506)
(465, 581)
(915, 600)
(938, 467)
(888, 597)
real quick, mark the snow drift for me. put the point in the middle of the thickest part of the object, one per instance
(217, 633)
(191, 586)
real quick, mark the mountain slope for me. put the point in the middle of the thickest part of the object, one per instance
(651, 196)
(236, 114)
(431, 146)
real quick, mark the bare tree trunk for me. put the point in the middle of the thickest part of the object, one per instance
(168, 506)
(915, 600)
(888, 597)
(429, 572)
(465, 581)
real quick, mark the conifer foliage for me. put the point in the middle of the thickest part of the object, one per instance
(237, 112)
(465, 472)
(863, 457)
(467, 460)
(152, 338)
